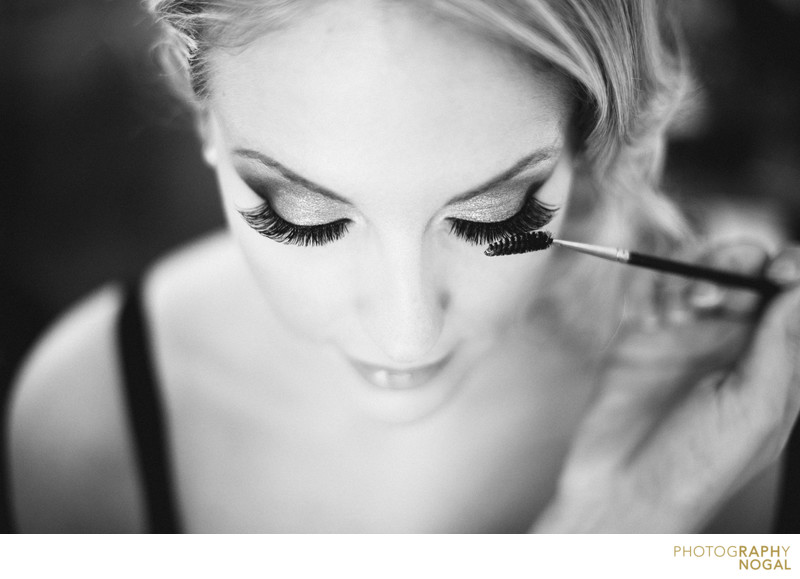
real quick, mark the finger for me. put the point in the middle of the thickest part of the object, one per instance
(784, 268)
(744, 257)
(683, 300)
(671, 356)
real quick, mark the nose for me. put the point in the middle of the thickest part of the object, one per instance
(403, 309)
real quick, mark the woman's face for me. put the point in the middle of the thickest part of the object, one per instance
(390, 141)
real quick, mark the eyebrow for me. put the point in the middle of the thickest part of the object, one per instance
(529, 161)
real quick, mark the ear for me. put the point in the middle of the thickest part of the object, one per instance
(206, 127)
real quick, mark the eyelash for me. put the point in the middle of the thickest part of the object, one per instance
(533, 215)
(269, 224)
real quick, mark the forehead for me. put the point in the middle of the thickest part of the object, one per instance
(404, 96)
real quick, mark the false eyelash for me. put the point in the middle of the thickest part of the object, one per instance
(533, 215)
(269, 224)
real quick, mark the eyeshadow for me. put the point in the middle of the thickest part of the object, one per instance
(302, 206)
(294, 202)
(497, 204)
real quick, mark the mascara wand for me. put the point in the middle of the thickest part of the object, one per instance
(538, 240)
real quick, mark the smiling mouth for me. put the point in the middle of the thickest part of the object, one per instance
(399, 379)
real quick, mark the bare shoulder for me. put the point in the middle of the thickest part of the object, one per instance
(204, 306)
(188, 286)
(70, 462)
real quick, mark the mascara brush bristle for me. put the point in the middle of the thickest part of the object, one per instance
(521, 243)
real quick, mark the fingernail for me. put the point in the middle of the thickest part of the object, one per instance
(705, 296)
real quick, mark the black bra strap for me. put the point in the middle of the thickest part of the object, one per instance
(145, 412)
(6, 521)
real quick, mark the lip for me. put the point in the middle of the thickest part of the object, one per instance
(388, 378)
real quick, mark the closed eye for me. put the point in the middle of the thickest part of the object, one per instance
(271, 225)
(534, 214)
(265, 220)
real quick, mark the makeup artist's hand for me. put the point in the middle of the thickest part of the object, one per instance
(698, 396)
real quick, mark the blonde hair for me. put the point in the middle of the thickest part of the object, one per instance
(621, 58)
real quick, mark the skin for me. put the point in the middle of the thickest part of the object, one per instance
(375, 109)
(272, 428)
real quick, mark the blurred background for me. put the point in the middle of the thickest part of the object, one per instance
(101, 173)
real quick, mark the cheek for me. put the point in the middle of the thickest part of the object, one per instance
(497, 295)
(304, 287)
(495, 292)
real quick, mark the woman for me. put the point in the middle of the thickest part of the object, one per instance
(345, 358)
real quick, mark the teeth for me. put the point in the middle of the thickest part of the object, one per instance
(381, 378)
(387, 379)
